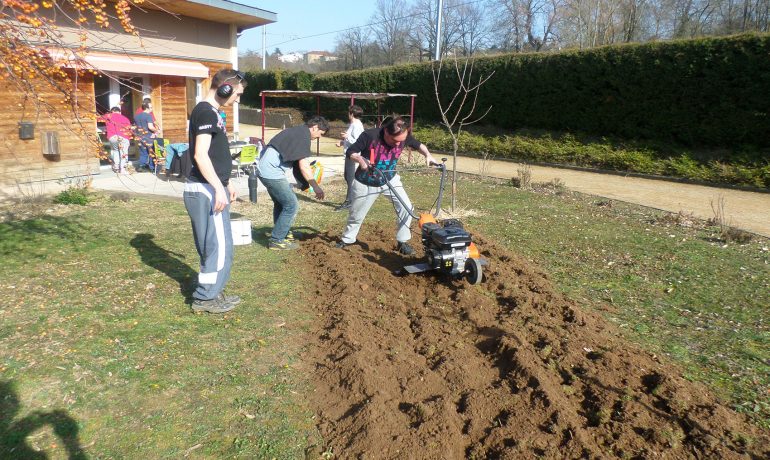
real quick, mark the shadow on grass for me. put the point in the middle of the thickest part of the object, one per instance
(31, 234)
(262, 234)
(166, 261)
(303, 196)
(13, 433)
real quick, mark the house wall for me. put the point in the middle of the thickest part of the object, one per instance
(161, 34)
(22, 160)
(164, 35)
(169, 95)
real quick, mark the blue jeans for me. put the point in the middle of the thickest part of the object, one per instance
(285, 206)
(144, 153)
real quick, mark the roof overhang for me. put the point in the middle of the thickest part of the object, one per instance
(107, 62)
(331, 94)
(243, 16)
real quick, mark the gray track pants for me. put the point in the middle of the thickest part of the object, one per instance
(363, 197)
(213, 239)
(350, 172)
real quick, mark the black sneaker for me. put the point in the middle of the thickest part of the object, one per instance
(344, 206)
(284, 245)
(232, 299)
(405, 249)
(215, 305)
(341, 244)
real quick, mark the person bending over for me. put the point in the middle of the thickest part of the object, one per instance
(289, 149)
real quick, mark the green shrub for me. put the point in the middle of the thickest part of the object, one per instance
(299, 81)
(73, 195)
(708, 92)
(709, 95)
(604, 153)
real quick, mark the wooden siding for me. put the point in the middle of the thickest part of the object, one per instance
(171, 106)
(22, 160)
(169, 96)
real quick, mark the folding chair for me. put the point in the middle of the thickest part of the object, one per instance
(159, 152)
(159, 156)
(247, 158)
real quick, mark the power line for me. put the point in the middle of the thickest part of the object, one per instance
(369, 24)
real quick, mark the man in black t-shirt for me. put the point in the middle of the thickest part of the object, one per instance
(380, 148)
(208, 193)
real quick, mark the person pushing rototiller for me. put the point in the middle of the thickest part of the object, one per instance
(380, 149)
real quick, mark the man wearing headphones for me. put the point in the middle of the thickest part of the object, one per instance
(208, 193)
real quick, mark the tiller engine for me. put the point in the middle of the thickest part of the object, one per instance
(448, 246)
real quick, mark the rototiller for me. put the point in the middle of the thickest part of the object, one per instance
(448, 247)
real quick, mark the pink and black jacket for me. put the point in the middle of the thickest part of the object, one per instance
(372, 146)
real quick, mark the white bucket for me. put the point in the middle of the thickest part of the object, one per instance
(241, 231)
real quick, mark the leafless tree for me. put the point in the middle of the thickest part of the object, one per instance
(390, 29)
(473, 28)
(351, 45)
(423, 18)
(458, 109)
(452, 26)
(422, 34)
(405, 30)
(250, 61)
(691, 18)
(734, 16)
(527, 25)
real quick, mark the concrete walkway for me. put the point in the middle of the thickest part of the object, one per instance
(146, 183)
(745, 210)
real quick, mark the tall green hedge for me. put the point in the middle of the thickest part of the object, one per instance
(276, 79)
(711, 92)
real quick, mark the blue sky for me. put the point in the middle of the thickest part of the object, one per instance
(303, 18)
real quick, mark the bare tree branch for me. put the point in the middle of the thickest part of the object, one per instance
(452, 115)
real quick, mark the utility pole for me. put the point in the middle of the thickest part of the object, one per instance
(439, 9)
(264, 42)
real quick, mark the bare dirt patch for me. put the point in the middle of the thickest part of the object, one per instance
(425, 367)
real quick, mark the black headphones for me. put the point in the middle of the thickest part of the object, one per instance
(225, 90)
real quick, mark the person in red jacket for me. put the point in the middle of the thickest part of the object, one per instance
(119, 134)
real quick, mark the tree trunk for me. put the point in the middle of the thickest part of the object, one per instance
(454, 172)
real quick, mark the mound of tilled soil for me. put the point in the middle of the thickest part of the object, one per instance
(424, 367)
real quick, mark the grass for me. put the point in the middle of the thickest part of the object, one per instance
(101, 352)
(96, 325)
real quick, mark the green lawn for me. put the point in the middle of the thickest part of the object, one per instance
(94, 323)
(99, 352)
